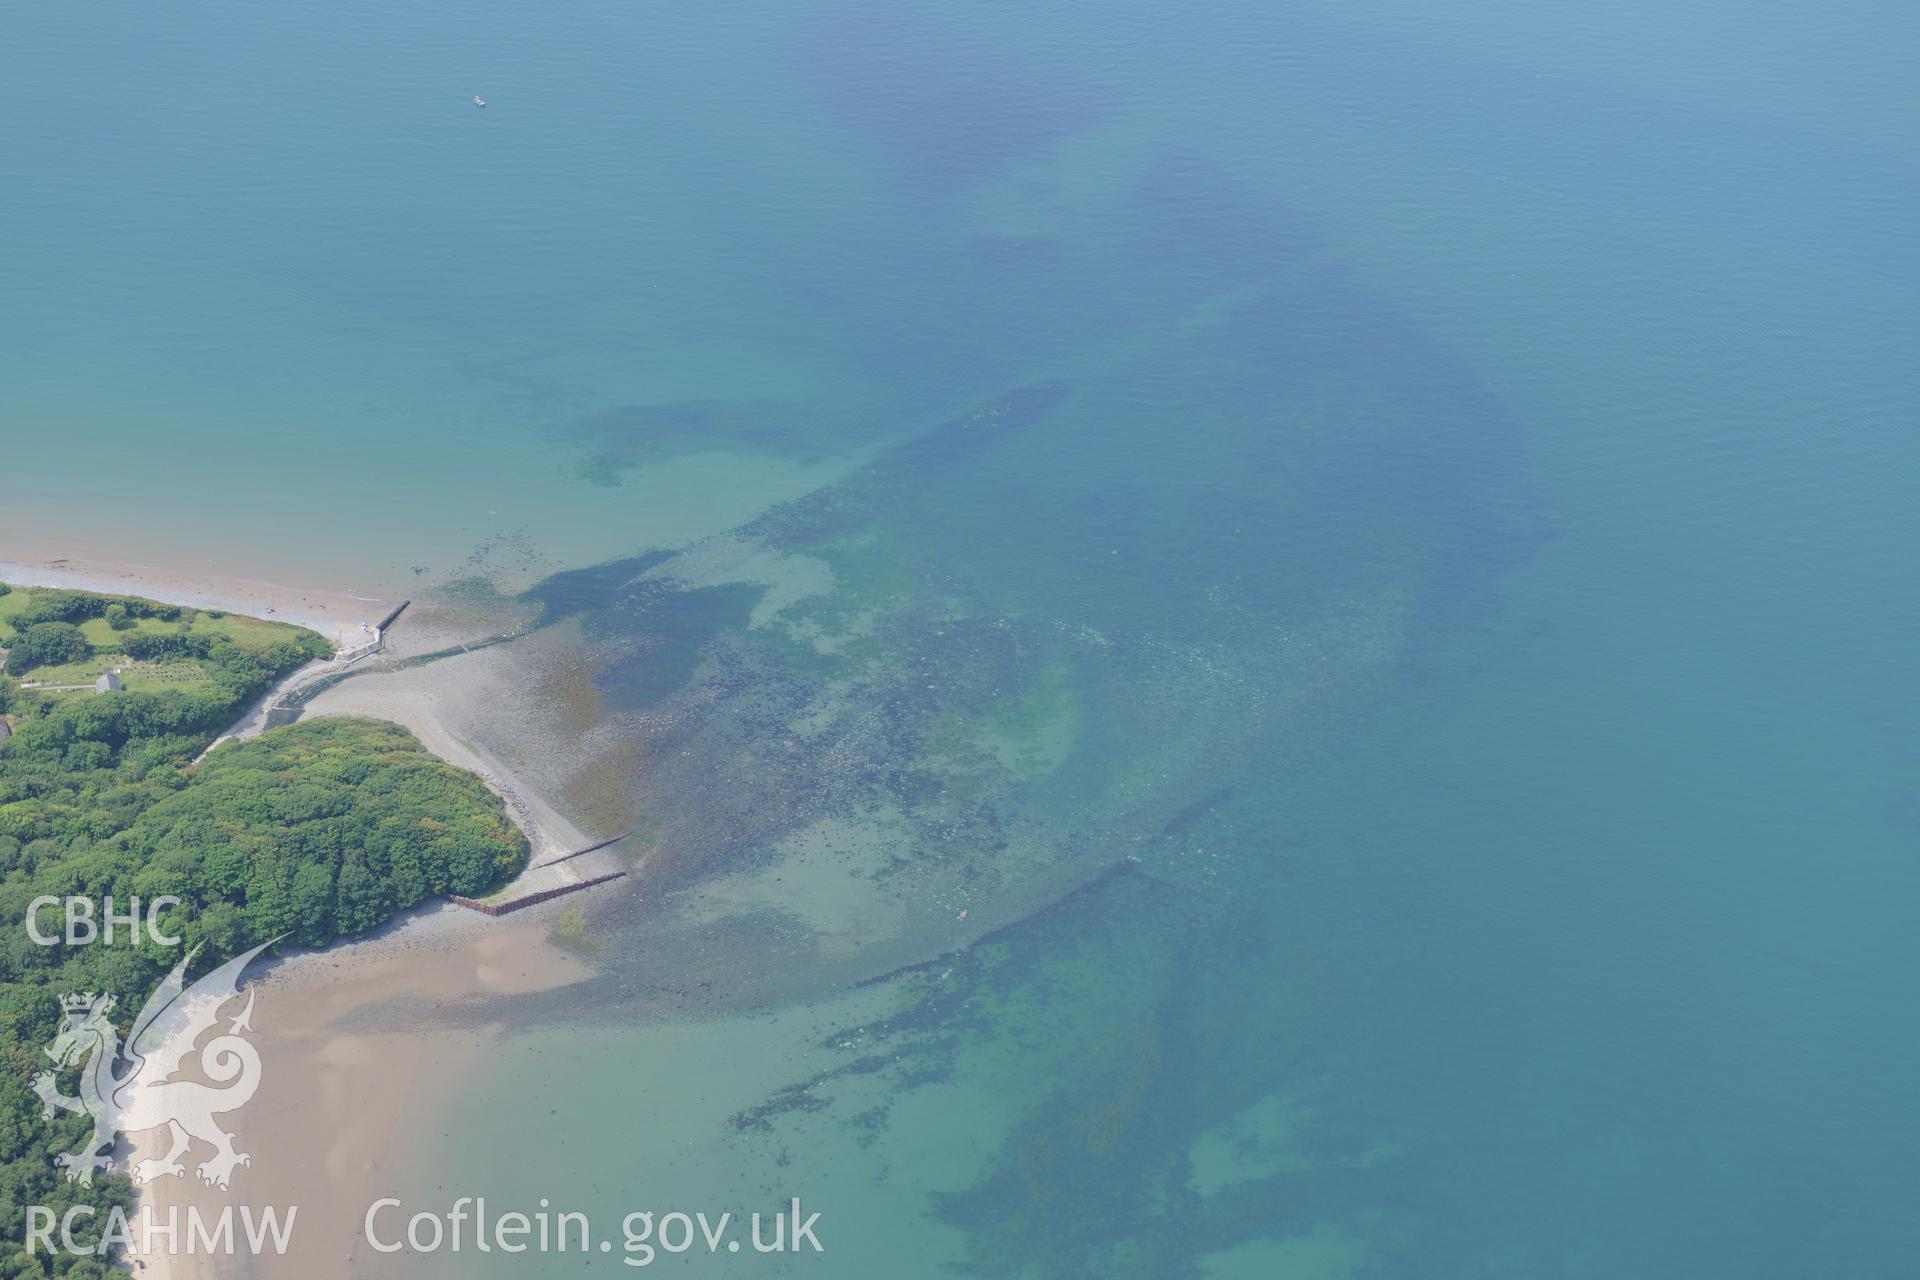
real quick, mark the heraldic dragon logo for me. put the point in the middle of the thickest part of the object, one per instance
(130, 1089)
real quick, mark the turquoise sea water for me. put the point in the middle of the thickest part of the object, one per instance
(1365, 546)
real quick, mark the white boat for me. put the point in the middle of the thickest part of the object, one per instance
(479, 101)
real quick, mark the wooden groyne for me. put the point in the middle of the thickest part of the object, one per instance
(391, 618)
(579, 853)
(532, 899)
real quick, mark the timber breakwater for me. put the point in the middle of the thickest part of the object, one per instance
(532, 899)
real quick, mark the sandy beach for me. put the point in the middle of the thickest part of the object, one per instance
(334, 1101)
(333, 1097)
(342, 615)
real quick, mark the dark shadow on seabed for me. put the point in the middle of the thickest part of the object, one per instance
(1048, 633)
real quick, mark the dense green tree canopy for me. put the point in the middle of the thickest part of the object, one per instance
(46, 644)
(316, 830)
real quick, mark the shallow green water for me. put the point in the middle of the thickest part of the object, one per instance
(1365, 549)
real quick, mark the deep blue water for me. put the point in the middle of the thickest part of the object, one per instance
(1370, 553)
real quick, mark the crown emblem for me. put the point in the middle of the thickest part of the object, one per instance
(91, 1002)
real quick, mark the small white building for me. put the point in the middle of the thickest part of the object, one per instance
(108, 683)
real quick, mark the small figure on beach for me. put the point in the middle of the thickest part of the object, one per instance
(479, 101)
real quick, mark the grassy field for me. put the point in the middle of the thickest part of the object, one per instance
(141, 677)
(251, 632)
